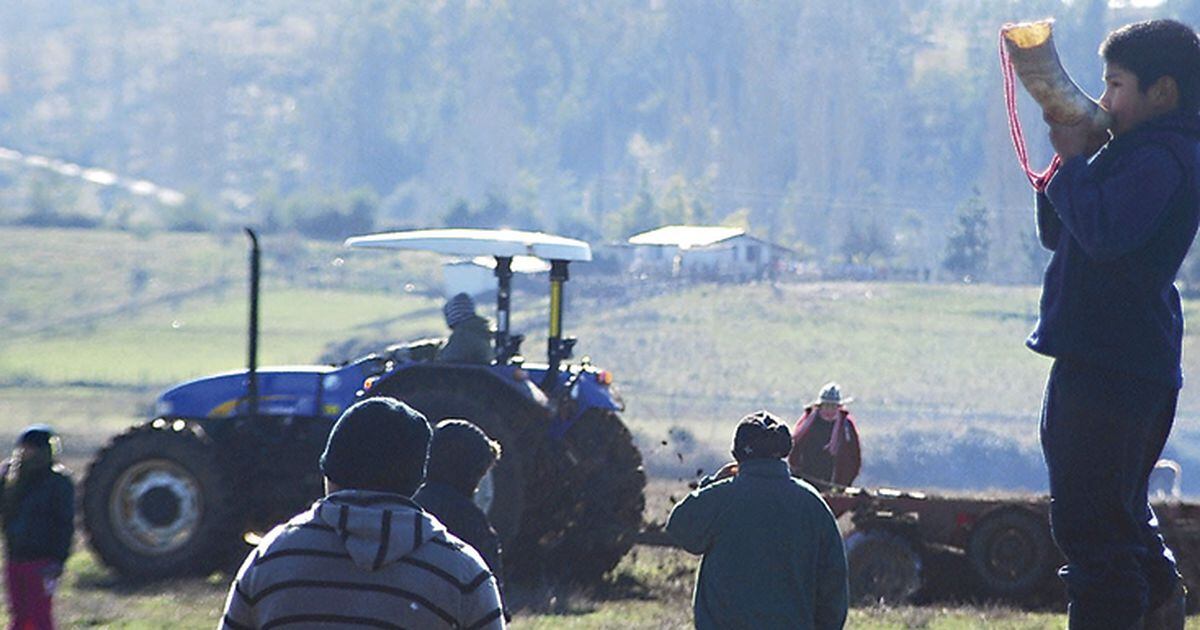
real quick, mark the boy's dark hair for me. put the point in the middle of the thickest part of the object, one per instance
(37, 435)
(460, 454)
(378, 444)
(1156, 48)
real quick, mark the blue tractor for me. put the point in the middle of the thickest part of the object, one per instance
(237, 452)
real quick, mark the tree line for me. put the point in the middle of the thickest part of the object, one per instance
(864, 131)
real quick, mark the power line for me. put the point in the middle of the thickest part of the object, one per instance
(815, 201)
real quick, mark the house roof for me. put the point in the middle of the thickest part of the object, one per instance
(685, 236)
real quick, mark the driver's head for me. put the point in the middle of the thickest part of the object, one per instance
(458, 309)
(460, 454)
(378, 444)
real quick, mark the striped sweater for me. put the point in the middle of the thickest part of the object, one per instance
(363, 559)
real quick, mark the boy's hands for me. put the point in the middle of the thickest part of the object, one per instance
(52, 570)
(1080, 138)
(728, 470)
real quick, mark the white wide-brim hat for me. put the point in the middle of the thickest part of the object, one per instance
(831, 392)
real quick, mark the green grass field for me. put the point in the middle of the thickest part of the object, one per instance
(931, 366)
(166, 343)
(96, 323)
(651, 589)
(911, 355)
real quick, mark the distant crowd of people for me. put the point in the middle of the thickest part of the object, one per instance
(398, 540)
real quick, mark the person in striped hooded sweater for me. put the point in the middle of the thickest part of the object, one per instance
(366, 555)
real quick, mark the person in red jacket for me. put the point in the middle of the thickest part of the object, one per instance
(825, 449)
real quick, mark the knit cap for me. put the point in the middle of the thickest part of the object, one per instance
(458, 309)
(760, 435)
(378, 444)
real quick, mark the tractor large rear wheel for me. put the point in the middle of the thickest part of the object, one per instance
(503, 495)
(602, 513)
(158, 503)
(566, 509)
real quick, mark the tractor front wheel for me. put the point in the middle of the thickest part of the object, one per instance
(157, 503)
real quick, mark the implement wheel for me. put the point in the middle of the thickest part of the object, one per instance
(1011, 553)
(884, 568)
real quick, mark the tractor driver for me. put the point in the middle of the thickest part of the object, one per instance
(470, 334)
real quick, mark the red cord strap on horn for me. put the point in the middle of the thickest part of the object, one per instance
(1036, 179)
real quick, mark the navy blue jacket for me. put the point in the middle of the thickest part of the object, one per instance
(44, 522)
(464, 519)
(1119, 226)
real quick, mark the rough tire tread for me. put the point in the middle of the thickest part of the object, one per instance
(218, 537)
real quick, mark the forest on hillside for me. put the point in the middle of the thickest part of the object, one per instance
(867, 130)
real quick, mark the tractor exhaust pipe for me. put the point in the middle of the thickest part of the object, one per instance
(252, 361)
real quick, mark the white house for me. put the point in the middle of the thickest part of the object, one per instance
(706, 252)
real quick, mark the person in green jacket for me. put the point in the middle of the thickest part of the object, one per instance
(772, 553)
(470, 334)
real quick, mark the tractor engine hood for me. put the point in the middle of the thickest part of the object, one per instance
(305, 390)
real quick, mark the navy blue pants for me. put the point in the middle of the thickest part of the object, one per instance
(1102, 431)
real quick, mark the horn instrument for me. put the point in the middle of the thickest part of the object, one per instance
(1030, 47)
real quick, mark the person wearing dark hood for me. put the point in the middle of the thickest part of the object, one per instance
(459, 457)
(1119, 217)
(470, 334)
(772, 553)
(38, 513)
(366, 555)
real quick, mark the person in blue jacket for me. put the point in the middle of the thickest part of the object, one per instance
(1119, 217)
(37, 510)
(460, 455)
(772, 553)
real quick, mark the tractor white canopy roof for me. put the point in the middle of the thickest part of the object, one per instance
(520, 264)
(472, 242)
